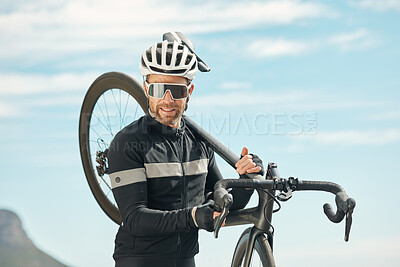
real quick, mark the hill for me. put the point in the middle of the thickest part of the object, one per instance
(16, 249)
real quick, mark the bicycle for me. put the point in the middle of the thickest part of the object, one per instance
(253, 239)
(113, 101)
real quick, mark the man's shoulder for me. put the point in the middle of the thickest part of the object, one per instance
(127, 141)
(133, 131)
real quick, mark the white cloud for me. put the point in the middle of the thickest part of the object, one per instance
(378, 5)
(7, 110)
(28, 95)
(389, 115)
(353, 137)
(244, 14)
(36, 31)
(298, 100)
(22, 84)
(24, 93)
(277, 47)
(234, 85)
(57, 101)
(353, 40)
(240, 99)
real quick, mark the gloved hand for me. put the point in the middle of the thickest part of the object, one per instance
(203, 216)
(249, 163)
(259, 163)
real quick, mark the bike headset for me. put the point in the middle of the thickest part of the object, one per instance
(169, 58)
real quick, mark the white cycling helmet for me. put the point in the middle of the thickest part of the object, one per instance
(169, 58)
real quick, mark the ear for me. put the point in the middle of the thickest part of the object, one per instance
(190, 92)
(191, 89)
(145, 89)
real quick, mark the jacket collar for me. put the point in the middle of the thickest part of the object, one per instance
(154, 125)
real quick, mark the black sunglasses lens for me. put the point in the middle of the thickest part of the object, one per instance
(177, 91)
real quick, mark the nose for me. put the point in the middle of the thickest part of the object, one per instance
(168, 96)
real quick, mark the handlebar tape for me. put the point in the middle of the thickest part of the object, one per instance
(340, 199)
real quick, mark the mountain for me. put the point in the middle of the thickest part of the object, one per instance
(16, 249)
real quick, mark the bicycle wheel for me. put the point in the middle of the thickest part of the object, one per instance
(262, 253)
(111, 103)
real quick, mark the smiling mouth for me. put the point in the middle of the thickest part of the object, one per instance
(167, 109)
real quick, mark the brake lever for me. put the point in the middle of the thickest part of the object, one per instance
(351, 203)
(220, 219)
(285, 196)
(287, 191)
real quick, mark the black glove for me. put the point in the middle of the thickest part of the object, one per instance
(204, 216)
(258, 162)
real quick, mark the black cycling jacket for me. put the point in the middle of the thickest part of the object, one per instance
(158, 174)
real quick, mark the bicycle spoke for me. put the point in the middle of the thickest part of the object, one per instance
(105, 182)
(92, 129)
(104, 117)
(101, 179)
(105, 104)
(116, 104)
(126, 106)
(103, 125)
(120, 118)
(137, 106)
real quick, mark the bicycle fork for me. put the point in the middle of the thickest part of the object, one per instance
(254, 232)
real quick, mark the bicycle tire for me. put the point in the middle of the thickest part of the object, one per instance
(104, 85)
(262, 250)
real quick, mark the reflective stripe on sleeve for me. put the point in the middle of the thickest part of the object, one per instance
(126, 177)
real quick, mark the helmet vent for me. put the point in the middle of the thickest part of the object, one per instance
(143, 63)
(188, 59)
(148, 55)
(168, 58)
(158, 56)
(178, 59)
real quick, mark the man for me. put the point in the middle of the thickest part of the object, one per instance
(161, 173)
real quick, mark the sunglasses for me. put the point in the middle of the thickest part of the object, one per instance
(158, 90)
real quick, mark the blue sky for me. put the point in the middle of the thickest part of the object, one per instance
(310, 85)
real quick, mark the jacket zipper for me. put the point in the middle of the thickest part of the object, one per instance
(180, 144)
(180, 151)
(179, 250)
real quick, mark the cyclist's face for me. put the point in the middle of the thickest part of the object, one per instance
(167, 110)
